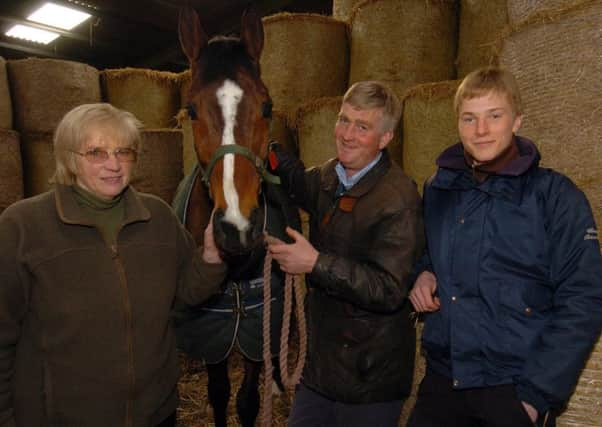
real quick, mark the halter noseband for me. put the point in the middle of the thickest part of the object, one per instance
(245, 152)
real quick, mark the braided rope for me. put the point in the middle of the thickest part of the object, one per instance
(289, 380)
(266, 407)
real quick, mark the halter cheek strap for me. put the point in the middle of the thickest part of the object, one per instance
(222, 150)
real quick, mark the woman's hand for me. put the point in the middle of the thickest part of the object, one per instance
(210, 251)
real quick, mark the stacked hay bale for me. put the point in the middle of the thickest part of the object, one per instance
(341, 9)
(159, 167)
(519, 10)
(154, 98)
(37, 150)
(11, 169)
(43, 90)
(11, 172)
(481, 22)
(429, 126)
(315, 130)
(281, 131)
(305, 57)
(557, 58)
(403, 42)
(189, 157)
(6, 109)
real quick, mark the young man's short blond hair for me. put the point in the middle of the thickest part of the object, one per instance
(485, 80)
(72, 132)
(367, 95)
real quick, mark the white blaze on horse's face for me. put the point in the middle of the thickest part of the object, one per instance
(229, 95)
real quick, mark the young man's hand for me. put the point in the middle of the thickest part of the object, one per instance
(422, 294)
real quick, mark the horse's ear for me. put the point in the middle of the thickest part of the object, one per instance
(192, 36)
(251, 32)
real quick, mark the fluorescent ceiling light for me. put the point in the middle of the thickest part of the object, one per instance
(58, 16)
(33, 34)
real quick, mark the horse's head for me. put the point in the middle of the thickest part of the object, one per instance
(230, 108)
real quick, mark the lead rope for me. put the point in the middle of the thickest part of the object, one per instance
(289, 381)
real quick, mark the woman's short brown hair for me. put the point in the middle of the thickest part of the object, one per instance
(484, 80)
(72, 132)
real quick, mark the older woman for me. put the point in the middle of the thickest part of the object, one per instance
(88, 274)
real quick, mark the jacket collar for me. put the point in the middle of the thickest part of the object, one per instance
(70, 213)
(365, 184)
(453, 158)
(455, 174)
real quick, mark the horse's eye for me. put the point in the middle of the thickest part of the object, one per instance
(266, 109)
(191, 111)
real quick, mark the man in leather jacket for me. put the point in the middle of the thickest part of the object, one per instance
(365, 234)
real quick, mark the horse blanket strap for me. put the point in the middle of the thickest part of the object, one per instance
(222, 150)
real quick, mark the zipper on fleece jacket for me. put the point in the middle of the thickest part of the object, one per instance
(128, 334)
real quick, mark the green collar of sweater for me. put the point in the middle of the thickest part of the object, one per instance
(105, 215)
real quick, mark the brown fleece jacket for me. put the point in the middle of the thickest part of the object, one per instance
(85, 333)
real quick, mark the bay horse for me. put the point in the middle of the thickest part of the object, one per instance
(230, 109)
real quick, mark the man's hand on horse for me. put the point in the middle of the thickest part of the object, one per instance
(210, 251)
(294, 258)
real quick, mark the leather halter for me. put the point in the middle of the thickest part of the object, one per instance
(222, 150)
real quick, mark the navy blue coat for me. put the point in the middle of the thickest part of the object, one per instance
(519, 276)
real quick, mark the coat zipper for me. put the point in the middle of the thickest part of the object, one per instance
(128, 335)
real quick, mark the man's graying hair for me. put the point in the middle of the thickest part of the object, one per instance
(367, 95)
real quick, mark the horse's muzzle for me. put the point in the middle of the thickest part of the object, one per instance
(233, 242)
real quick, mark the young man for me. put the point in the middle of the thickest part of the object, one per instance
(365, 233)
(512, 278)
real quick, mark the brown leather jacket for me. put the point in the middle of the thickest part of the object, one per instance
(361, 342)
(85, 336)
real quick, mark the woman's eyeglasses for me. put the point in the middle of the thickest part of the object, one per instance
(98, 155)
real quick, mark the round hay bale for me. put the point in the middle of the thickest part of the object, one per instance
(37, 150)
(305, 57)
(189, 157)
(280, 131)
(11, 169)
(519, 10)
(315, 129)
(419, 371)
(43, 90)
(429, 126)
(159, 167)
(585, 406)
(341, 9)
(557, 60)
(184, 80)
(152, 96)
(6, 108)
(481, 22)
(403, 42)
